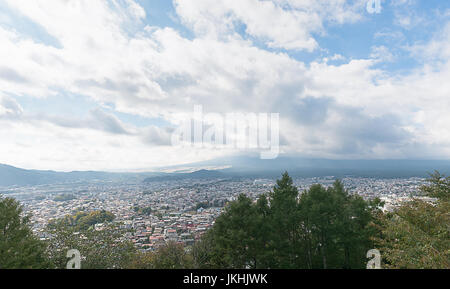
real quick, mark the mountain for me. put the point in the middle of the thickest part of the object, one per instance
(238, 166)
(200, 174)
(12, 176)
(304, 167)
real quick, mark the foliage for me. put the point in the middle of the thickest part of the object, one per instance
(204, 205)
(143, 211)
(416, 235)
(232, 236)
(19, 248)
(100, 249)
(439, 187)
(169, 256)
(83, 220)
(321, 228)
(337, 225)
(64, 197)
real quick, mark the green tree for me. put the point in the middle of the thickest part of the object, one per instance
(169, 256)
(438, 187)
(83, 220)
(106, 248)
(337, 227)
(172, 256)
(262, 245)
(417, 234)
(19, 248)
(283, 217)
(202, 253)
(319, 211)
(321, 228)
(143, 211)
(232, 235)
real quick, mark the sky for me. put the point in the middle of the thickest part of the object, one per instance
(101, 85)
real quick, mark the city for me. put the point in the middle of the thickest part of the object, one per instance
(181, 210)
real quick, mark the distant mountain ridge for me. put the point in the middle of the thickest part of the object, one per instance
(302, 167)
(200, 174)
(241, 166)
(12, 176)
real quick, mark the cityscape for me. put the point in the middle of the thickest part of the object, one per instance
(181, 211)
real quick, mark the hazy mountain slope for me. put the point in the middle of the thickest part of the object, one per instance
(296, 166)
(240, 166)
(12, 176)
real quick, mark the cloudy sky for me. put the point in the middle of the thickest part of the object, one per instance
(100, 85)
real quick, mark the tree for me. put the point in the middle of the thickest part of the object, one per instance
(284, 220)
(106, 248)
(172, 256)
(319, 211)
(322, 228)
(83, 220)
(337, 227)
(202, 252)
(416, 235)
(143, 211)
(439, 187)
(232, 236)
(19, 248)
(169, 256)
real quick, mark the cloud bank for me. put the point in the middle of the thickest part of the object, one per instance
(239, 56)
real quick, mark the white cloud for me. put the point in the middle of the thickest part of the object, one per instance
(46, 146)
(382, 53)
(438, 48)
(406, 14)
(287, 24)
(326, 110)
(9, 108)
